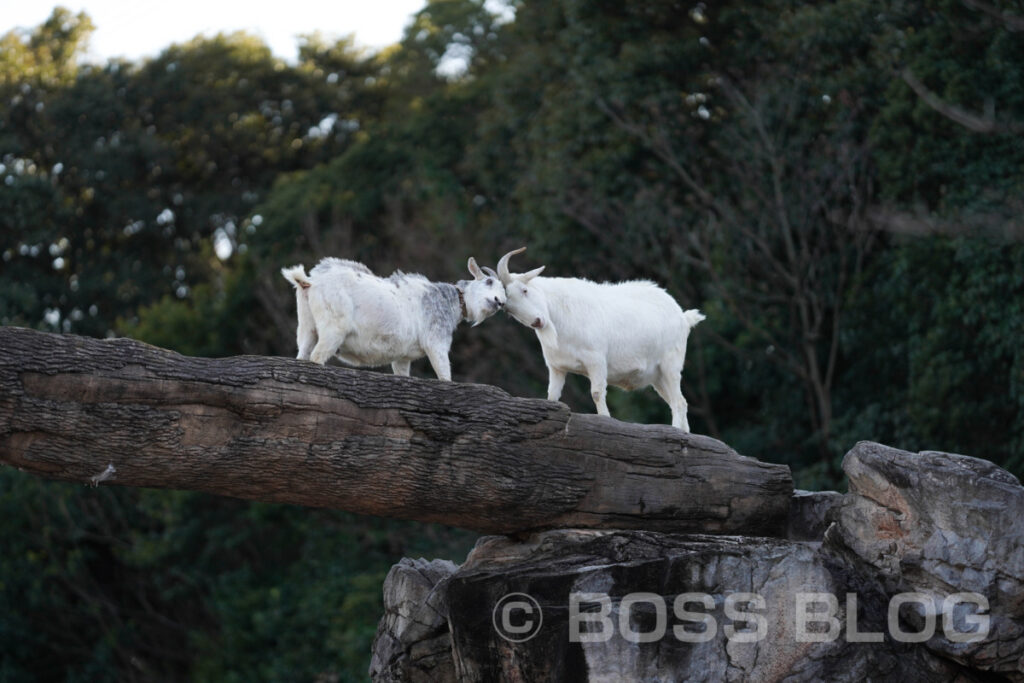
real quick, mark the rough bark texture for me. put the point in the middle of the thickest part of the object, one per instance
(281, 430)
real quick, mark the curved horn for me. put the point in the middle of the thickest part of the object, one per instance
(526, 277)
(503, 274)
(490, 272)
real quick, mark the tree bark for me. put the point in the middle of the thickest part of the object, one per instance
(281, 430)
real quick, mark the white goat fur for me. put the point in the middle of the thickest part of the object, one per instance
(365, 320)
(629, 334)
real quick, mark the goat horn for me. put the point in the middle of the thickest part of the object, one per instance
(490, 272)
(503, 274)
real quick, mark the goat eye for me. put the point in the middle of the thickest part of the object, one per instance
(490, 282)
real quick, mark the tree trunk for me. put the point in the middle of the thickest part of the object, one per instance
(287, 431)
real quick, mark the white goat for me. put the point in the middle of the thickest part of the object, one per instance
(365, 320)
(628, 334)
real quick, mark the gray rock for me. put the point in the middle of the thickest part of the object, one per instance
(413, 644)
(808, 514)
(932, 524)
(940, 524)
(551, 566)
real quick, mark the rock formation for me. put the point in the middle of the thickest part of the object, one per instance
(413, 642)
(868, 599)
(940, 524)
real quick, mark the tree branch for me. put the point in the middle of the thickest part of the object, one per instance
(979, 124)
(1012, 22)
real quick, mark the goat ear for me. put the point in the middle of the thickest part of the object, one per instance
(474, 269)
(526, 277)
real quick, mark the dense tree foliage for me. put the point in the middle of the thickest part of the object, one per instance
(837, 185)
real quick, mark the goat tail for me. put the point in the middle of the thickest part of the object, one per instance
(297, 276)
(692, 317)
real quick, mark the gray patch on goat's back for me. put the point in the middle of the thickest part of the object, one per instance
(441, 307)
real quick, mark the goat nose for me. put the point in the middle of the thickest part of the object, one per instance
(498, 302)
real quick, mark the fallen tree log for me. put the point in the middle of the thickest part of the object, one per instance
(280, 430)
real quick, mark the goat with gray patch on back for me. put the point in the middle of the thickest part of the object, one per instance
(627, 334)
(366, 320)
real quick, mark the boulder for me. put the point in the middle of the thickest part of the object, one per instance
(537, 639)
(915, 575)
(412, 643)
(939, 524)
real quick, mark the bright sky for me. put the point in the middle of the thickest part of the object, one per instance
(136, 29)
